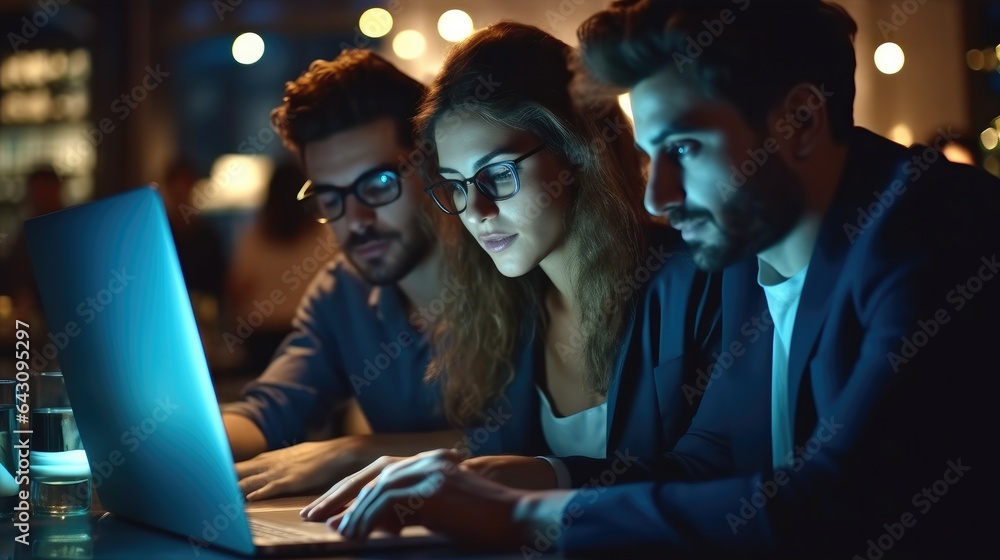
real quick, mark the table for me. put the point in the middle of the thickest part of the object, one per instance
(101, 535)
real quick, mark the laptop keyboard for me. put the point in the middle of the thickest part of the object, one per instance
(282, 532)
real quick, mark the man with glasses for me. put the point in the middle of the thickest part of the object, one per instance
(361, 329)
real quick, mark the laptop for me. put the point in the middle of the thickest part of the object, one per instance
(135, 371)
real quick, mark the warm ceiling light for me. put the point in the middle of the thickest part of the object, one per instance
(990, 138)
(375, 22)
(454, 25)
(975, 59)
(409, 44)
(248, 48)
(889, 58)
(901, 134)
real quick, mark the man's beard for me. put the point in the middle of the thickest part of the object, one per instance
(399, 259)
(756, 216)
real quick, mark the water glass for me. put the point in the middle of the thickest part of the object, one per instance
(60, 474)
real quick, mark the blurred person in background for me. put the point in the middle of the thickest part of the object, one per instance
(43, 195)
(283, 236)
(199, 246)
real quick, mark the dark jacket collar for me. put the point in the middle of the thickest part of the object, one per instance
(873, 164)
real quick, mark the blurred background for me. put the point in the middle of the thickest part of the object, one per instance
(98, 96)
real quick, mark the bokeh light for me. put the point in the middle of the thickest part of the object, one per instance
(409, 44)
(975, 59)
(901, 134)
(248, 48)
(375, 23)
(958, 154)
(889, 58)
(990, 138)
(455, 25)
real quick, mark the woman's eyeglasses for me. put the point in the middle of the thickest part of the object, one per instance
(496, 181)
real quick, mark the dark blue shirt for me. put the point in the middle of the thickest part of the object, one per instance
(351, 339)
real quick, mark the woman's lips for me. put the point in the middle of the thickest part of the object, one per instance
(496, 242)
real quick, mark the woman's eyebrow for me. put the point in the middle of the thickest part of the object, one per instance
(479, 163)
(482, 161)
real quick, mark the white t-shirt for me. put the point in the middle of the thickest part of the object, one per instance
(783, 295)
(584, 434)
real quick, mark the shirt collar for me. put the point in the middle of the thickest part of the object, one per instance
(387, 302)
(375, 296)
(378, 301)
(768, 277)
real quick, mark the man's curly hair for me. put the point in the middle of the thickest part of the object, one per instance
(355, 88)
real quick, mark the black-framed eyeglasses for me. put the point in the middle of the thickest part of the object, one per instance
(374, 188)
(496, 181)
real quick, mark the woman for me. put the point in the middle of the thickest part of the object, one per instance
(574, 297)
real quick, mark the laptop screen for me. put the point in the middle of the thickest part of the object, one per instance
(115, 300)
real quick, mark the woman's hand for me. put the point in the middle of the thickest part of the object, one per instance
(341, 494)
(431, 490)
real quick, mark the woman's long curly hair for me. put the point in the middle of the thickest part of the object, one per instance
(520, 77)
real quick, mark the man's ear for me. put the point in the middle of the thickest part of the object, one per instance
(802, 120)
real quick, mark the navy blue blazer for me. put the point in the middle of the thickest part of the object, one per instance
(892, 380)
(674, 328)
